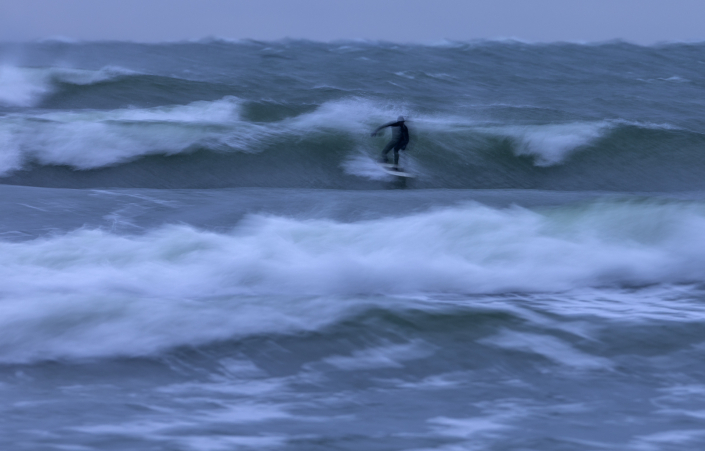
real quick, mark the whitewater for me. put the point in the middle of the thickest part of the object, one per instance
(199, 251)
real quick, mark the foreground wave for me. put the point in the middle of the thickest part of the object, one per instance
(95, 293)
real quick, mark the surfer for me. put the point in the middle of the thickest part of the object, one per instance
(400, 139)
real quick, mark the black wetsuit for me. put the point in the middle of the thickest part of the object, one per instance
(400, 138)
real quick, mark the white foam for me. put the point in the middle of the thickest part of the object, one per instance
(228, 386)
(405, 74)
(231, 442)
(662, 303)
(390, 356)
(242, 368)
(91, 139)
(223, 111)
(27, 86)
(679, 437)
(244, 412)
(497, 416)
(11, 157)
(88, 77)
(362, 165)
(551, 144)
(684, 392)
(23, 87)
(549, 347)
(92, 293)
(467, 427)
(676, 79)
(436, 382)
(168, 432)
(355, 115)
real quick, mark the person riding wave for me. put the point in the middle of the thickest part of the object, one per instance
(400, 139)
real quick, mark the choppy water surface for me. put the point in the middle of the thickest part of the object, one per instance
(199, 252)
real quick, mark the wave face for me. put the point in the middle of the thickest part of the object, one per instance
(218, 114)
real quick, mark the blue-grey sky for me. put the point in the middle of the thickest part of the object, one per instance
(640, 21)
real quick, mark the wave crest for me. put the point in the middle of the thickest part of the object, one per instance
(92, 293)
(27, 87)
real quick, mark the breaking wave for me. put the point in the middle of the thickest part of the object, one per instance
(92, 293)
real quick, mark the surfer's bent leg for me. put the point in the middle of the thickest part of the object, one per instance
(386, 150)
(399, 146)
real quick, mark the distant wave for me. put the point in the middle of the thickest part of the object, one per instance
(27, 87)
(93, 139)
(288, 144)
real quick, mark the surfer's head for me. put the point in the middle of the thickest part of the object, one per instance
(400, 118)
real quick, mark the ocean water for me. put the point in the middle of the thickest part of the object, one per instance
(199, 252)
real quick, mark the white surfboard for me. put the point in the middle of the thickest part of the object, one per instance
(395, 170)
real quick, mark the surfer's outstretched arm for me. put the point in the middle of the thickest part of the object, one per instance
(377, 130)
(391, 124)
